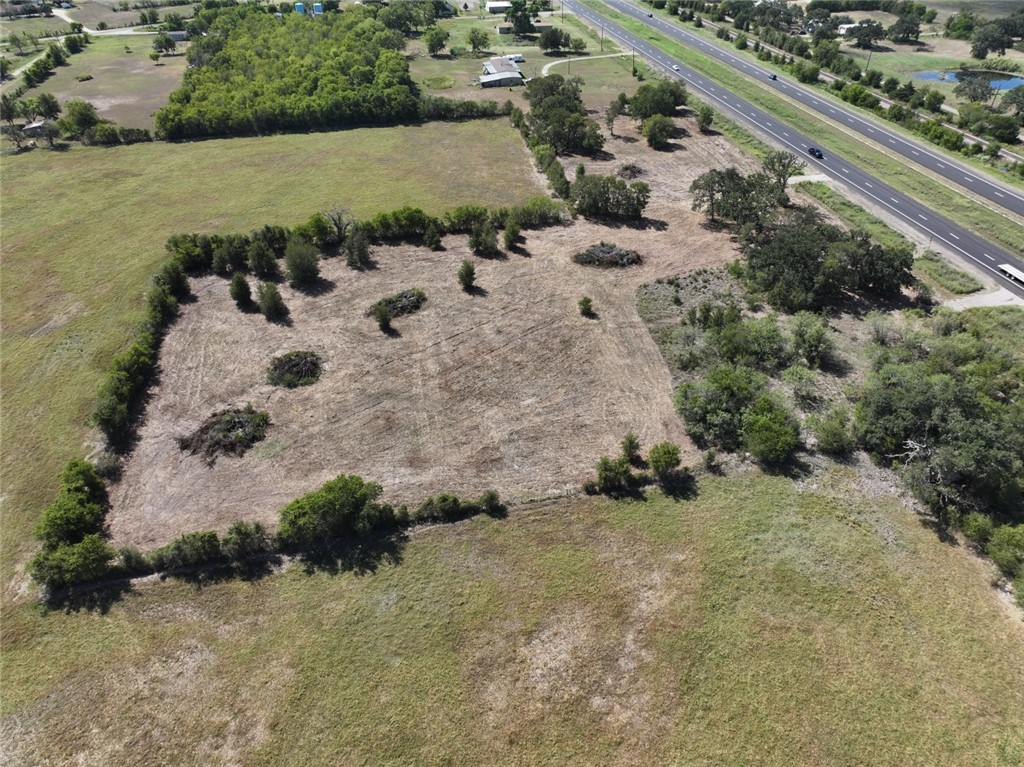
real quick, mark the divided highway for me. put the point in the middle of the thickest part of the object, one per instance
(940, 229)
(916, 152)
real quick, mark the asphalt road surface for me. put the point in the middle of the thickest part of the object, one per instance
(938, 228)
(1000, 195)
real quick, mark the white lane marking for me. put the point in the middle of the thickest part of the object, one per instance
(953, 236)
(921, 217)
(894, 200)
(868, 185)
(1001, 194)
(986, 255)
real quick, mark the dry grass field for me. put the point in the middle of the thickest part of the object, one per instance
(510, 388)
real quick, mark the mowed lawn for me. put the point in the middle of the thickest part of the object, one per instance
(759, 623)
(84, 230)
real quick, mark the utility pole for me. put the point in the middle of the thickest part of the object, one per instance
(602, 38)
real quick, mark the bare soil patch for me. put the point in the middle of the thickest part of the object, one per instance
(508, 388)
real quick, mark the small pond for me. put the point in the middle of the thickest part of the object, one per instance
(1001, 81)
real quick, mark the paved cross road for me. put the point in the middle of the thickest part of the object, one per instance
(938, 228)
(981, 184)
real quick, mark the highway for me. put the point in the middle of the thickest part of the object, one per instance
(981, 184)
(938, 228)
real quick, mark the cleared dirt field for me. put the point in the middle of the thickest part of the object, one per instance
(512, 389)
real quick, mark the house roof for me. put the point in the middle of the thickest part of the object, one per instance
(501, 77)
(500, 64)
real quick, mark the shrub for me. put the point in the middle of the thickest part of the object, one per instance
(705, 117)
(342, 508)
(663, 460)
(804, 383)
(261, 260)
(245, 540)
(629, 171)
(613, 475)
(239, 290)
(133, 562)
(631, 448)
(483, 240)
(586, 306)
(357, 247)
(66, 565)
(465, 218)
(188, 550)
(770, 432)
(302, 262)
(510, 237)
(713, 408)
(295, 369)
(405, 302)
(69, 519)
(270, 302)
(833, 432)
(659, 130)
(1006, 547)
(432, 237)
(445, 508)
(121, 393)
(467, 275)
(230, 432)
(812, 339)
(171, 278)
(977, 527)
(382, 316)
(606, 254)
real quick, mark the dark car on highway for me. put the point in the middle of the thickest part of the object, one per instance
(815, 152)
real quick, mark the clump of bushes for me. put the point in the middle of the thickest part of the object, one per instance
(72, 531)
(446, 507)
(227, 432)
(405, 302)
(295, 369)
(606, 254)
(343, 508)
(271, 304)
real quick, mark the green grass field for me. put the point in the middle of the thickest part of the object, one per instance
(84, 230)
(36, 26)
(757, 624)
(949, 278)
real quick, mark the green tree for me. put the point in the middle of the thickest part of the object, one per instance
(833, 432)
(709, 188)
(520, 18)
(302, 263)
(659, 131)
(577, 45)
(270, 302)
(663, 460)
(510, 237)
(972, 87)
(478, 40)
(905, 29)
(66, 565)
(705, 116)
(48, 106)
(245, 540)
(586, 306)
(239, 290)
(1014, 99)
(467, 276)
(770, 432)
(781, 166)
(553, 39)
(865, 33)
(344, 508)
(78, 117)
(436, 39)
(164, 43)
(613, 475)
(662, 98)
(989, 38)
(483, 240)
(261, 260)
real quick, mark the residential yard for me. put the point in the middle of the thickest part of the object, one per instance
(126, 86)
(36, 26)
(453, 77)
(764, 622)
(77, 261)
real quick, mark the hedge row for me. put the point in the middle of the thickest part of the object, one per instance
(344, 512)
